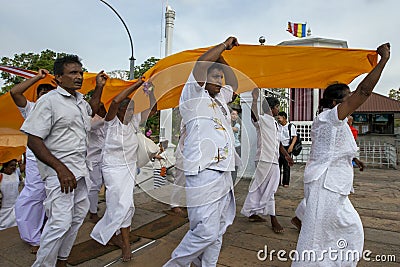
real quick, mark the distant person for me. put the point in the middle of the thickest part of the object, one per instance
(329, 216)
(119, 168)
(236, 133)
(57, 131)
(9, 182)
(208, 154)
(354, 131)
(29, 208)
(288, 139)
(261, 197)
(161, 162)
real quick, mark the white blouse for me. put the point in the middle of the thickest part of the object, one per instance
(332, 150)
(121, 142)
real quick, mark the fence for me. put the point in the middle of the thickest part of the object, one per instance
(374, 154)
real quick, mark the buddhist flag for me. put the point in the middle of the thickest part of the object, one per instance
(297, 29)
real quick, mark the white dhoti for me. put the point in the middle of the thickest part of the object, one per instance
(330, 223)
(29, 208)
(65, 213)
(96, 178)
(260, 199)
(208, 222)
(120, 182)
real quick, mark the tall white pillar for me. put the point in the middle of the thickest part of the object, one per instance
(166, 114)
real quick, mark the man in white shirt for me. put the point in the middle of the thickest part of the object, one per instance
(57, 131)
(288, 140)
(208, 157)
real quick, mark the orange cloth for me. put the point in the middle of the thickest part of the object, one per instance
(12, 144)
(255, 66)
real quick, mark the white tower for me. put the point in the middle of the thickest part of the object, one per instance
(166, 115)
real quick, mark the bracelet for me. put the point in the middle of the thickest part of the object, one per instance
(224, 45)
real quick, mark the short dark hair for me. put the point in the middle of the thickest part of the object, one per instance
(44, 87)
(283, 114)
(334, 92)
(60, 62)
(215, 65)
(272, 101)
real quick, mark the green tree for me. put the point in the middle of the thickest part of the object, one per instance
(28, 61)
(146, 65)
(395, 94)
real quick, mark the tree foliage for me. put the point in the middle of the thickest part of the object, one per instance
(395, 94)
(28, 61)
(146, 65)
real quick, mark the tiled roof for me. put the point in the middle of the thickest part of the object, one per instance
(379, 103)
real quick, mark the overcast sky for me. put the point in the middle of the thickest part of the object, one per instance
(91, 30)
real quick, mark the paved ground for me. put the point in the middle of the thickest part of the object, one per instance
(376, 199)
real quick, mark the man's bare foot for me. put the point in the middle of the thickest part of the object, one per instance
(296, 222)
(276, 227)
(256, 218)
(94, 218)
(61, 263)
(34, 249)
(126, 252)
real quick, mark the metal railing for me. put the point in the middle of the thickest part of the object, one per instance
(374, 154)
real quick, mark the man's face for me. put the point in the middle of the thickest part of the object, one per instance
(214, 82)
(282, 120)
(72, 77)
(275, 110)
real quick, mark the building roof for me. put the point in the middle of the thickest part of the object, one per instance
(315, 41)
(379, 103)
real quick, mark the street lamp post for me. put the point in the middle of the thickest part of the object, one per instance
(132, 58)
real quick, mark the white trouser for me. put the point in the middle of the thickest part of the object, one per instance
(65, 213)
(96, 177)
(202, 243)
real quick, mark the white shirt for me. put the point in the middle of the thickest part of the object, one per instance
(121, 142)
(332, 150)
(62, 121)
(267, 139)
(209, 141)
(96, 138)
(284, 137)
(25, 113)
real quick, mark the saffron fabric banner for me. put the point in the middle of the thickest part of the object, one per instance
(254, 65)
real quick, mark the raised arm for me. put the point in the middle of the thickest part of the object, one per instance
(230, 77)
(113, 109)
(17, 92)
(94, 101)
(254, 110)
(367, 85)
(211, 56)
(151, 110)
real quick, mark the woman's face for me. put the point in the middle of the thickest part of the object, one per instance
(11, 167)
(234, 115)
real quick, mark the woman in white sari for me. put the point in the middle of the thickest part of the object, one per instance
(331, 232)
(119, 169)
(9, 181)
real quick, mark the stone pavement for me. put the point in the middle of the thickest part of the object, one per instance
(376, 199)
